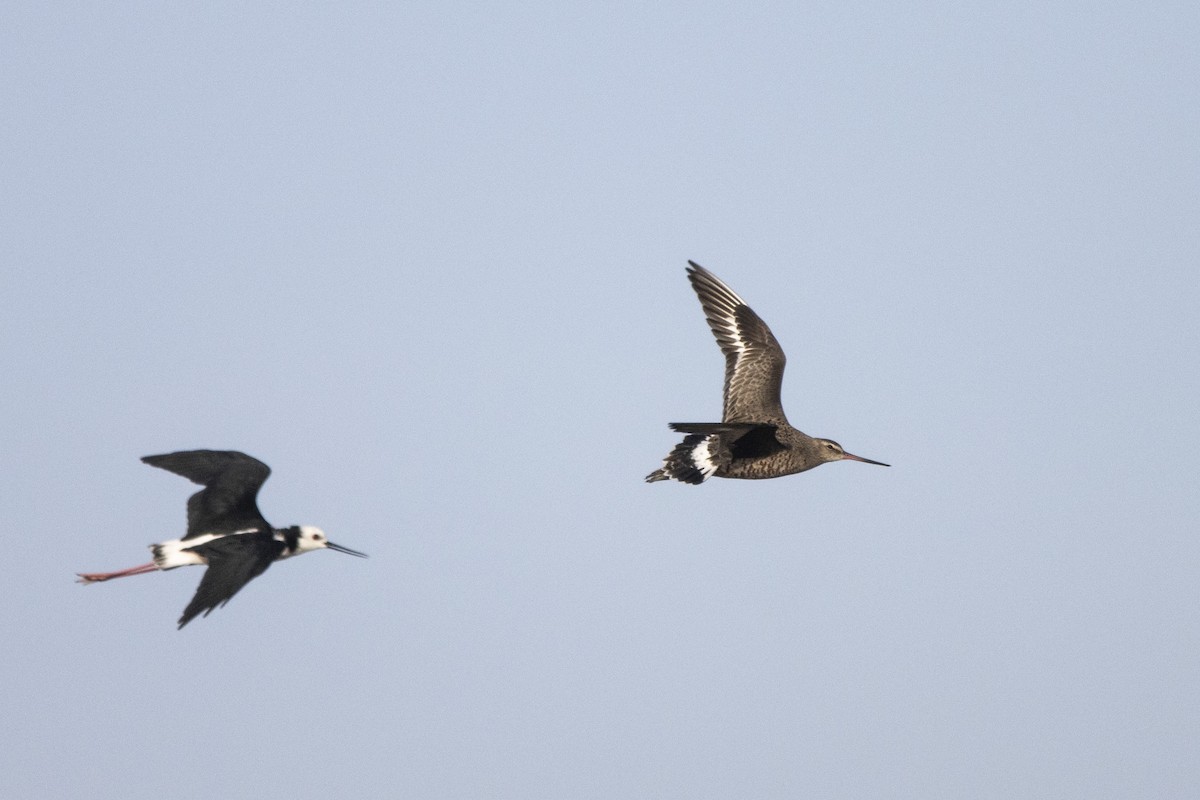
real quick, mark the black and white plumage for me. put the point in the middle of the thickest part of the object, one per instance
(225, 529)
(753, 439)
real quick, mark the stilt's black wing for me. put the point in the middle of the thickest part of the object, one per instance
(231, 481)
(233, 561)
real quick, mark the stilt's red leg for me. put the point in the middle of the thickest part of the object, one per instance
(96, 577)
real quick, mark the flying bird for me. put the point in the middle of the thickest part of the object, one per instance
(225, 529)
(753, 438)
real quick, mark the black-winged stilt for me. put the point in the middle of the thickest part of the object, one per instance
(753, 438)
(225, 529)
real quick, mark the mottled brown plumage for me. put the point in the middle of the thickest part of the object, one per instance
(753, 439)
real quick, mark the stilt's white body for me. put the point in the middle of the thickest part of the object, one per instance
(175, 553)
(181, 552)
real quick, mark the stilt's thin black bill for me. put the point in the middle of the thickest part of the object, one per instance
(350, 552)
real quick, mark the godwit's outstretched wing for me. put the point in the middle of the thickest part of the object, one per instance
(754, 361)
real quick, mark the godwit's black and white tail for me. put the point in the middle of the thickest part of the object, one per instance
(691, 461)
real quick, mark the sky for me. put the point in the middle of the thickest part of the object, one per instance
(427, 260)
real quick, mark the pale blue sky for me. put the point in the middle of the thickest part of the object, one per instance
(427, 261)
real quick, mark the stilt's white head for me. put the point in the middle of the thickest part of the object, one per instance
(313, 538)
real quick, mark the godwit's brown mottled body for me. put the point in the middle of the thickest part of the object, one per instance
(753, 439)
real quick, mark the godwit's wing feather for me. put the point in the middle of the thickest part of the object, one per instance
(231, 481)
(744, 439)
(233, 561)
(754, 361)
